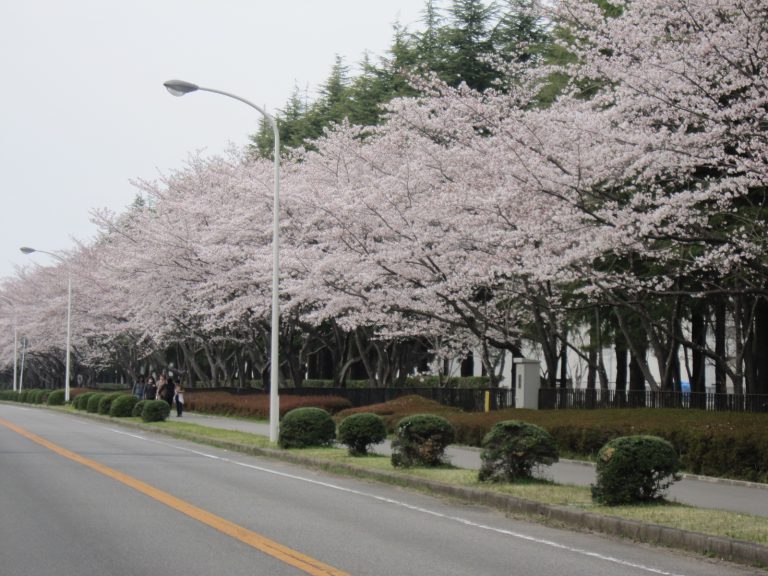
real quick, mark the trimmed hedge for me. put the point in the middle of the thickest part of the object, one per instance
(122, 406)
(56, 398)
(155, 411)
(81, 401)
(93, 402)
(722, 444)
(105, 404)
(304, 427)
(395, 410)
(138, 408)
(634, 469)
(33, 396)
(421, 439)
(256, 405)
(512, 449)
(359, 431)
(9, 396)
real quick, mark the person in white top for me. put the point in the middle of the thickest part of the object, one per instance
(178, 398)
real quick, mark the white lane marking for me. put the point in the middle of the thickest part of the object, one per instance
(419, 509)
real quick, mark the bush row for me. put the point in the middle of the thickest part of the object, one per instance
(29, 396)
(630, 469)
(311, 426)
(723, 444)
(121, 405)
(256, 405)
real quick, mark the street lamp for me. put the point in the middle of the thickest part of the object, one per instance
(27, 250)
(180, 88)
(15, 338)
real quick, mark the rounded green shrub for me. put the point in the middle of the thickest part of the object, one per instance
(81, 400)
(155, 411)
(93, 402)
(122, 406)
(421, 439)
(634, 469)
(56, 398)
(304, 427)
(105, 404)
(512, 449)
(138, 408)
(38, 396)
(359, 431)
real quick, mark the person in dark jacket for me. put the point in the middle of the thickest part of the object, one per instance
(150, 390)
(166, 390)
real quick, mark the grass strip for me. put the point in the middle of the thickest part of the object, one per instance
(714, 522)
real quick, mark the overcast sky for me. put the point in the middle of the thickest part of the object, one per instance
(83, 109)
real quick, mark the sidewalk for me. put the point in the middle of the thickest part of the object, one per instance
(731, 495)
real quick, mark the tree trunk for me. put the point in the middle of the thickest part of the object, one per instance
(720, 350)
(564, 359)
(636, 382)
(761, 347)
(192, 365)
(699, 338)
(621, 370)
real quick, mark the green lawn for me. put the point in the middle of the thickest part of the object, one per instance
(714, 522)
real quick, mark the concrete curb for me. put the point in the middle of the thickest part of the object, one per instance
(701, 478)
(730, 549)
(726, 548)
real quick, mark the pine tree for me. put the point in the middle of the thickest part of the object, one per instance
(467, 40)
(521, 33)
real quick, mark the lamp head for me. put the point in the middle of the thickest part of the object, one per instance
(179, 87)
(27, 250)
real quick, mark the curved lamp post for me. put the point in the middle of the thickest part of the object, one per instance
(180, 88)
(15, 339)
(27, 250)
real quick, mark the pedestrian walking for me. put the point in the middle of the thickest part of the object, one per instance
(178, 398)
(165, 390)
(150, 390)
(138, 387)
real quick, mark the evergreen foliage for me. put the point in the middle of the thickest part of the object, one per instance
(122, 406)
(105, 404)
(56, 398)
(421, 440)
(138, 408)
(512, 449)
(81, 400)
(305, 427)
(9, 396)
(634, 469)
(155, 411)
(93, 402)
(360, 431)
(458, 44)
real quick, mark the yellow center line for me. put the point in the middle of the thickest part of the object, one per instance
(276, 550)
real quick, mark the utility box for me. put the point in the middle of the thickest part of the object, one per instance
(527, 383)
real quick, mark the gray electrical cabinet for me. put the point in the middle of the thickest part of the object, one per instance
(527, 383)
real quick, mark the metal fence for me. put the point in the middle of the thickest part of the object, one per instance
(570, 398)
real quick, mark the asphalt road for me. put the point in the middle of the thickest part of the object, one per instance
(741, 497)
(86, 498)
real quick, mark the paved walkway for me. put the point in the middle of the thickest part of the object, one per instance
(741, 497)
